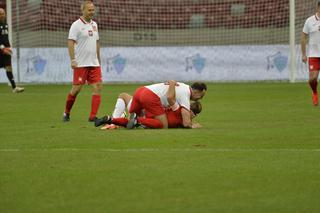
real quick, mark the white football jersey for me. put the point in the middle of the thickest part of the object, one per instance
(183, 94)
(86, 36)
(312, 28)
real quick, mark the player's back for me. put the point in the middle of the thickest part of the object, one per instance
(161, 90)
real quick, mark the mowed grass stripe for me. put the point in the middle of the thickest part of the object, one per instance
(158, 150)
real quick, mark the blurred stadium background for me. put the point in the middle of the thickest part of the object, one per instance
(151, 40)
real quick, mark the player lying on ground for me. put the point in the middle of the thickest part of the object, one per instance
(174, 119)
(173, 113)
(153, 100)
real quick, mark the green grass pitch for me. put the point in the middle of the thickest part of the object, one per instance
(259, 151)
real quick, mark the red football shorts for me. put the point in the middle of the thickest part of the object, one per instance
(314, 64)
(144, 98)
(174, 118)
(81, 75)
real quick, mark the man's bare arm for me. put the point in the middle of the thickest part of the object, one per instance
(171, 94)
(186, 120)
(71, 44)
(304, 38)
(98, 52)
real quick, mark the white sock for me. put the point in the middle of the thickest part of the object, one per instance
(119, 108)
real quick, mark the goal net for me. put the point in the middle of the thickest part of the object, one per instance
(156, 40)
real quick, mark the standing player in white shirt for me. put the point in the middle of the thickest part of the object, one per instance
(84, 52)
(311, 31)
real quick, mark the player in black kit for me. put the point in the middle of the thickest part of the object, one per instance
(6, 52)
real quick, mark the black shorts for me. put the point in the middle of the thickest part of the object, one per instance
(5, 60)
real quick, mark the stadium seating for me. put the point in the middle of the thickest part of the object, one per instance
(159, 14)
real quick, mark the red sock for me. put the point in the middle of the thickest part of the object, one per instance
(95, 103)
(151, 123)
(69, 103)
(314, 86)
(120, 121)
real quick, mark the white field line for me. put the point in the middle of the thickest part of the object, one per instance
(159, 150)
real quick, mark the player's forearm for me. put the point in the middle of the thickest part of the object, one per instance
(171, 94)
(71, 49)
(98, 52)
(303, 44)
(186, 121)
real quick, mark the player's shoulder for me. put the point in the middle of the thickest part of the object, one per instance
(94, 22)
(311, 19)
(183, 86)
(76, 23)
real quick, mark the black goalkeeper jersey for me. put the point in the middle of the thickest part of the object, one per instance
(4, 38)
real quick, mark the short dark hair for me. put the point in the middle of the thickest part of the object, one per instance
(199, 86)
(196, 107)
(84, 4)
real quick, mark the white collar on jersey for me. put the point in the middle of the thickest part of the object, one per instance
(84, 21)
(317, 17)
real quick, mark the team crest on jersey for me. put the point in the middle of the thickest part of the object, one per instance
(90, 32)
(94, 28)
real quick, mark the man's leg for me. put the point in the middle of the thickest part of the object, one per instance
(314, 66)
(136, 105)
(10, 77)
(95, 100)
(121, 104)
(153, 108)
(150, 122)
(313, 83)
(71, 98)
(94, 78)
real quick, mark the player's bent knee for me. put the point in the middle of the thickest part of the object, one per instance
(75, 89)
(125, 96)
(97, 88)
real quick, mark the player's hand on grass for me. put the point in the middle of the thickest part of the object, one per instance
(196, 126)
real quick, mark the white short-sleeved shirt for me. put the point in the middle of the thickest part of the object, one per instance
(86, 36)
(183, 94)
(312, 29)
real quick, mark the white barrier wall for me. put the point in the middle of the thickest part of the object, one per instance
(156, 64)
